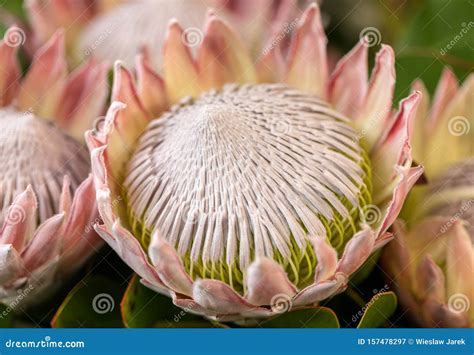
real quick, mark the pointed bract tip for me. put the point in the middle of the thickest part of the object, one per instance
(29, 189)
(448, 71)
(213, 23)
(117, 106)
(386, 52)
(66, 180)
(173, 25)
(58, 37)
(118, 65)
(418, 85)
(210, 13)
(29, 194)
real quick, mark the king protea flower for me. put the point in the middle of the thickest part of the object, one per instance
(432, 259)
(112, 30)
(244, 195)
(47, 203)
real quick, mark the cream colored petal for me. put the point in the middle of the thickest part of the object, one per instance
(307, 63)
(349, 81)
(373, 117)
(9, 72)
(357, 251)
(267, 280)
(45, 245)
(169, 266)
(460, 267)
(151, 87)
(19, 223)
(179, 69)
(83, 98)
(320, 291)
(394, 146)
(222, 57)
(326, 257)
(451, 135)
(41, 89)
(218, 297)
(420, 136)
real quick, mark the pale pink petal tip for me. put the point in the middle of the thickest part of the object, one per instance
(357, 251)
(47, 71)
(169, 266)
(326, 257)
(266, 279)
(218, 297)
(307, 59)
(374, 114)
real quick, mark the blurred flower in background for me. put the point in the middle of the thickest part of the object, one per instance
(47, 202)
(112, 30)
(432, 259)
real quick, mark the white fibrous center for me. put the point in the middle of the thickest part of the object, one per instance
(35, 152)
(249, 171)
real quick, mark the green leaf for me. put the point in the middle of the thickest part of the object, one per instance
(309, 317)
(6, 316)
(15, 7)
(144, 308)
(3, 29)
(379, 309)
(440, 34)
(92, 303)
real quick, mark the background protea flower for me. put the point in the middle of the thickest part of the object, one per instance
(47, 202)
(117, 30)
(243, 197)
(432, 259)
(444, 132)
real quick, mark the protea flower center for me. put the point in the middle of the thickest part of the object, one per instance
(35, 152)
(248, 171)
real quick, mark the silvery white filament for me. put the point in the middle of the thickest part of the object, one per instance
(237, 173)
(34, 152)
